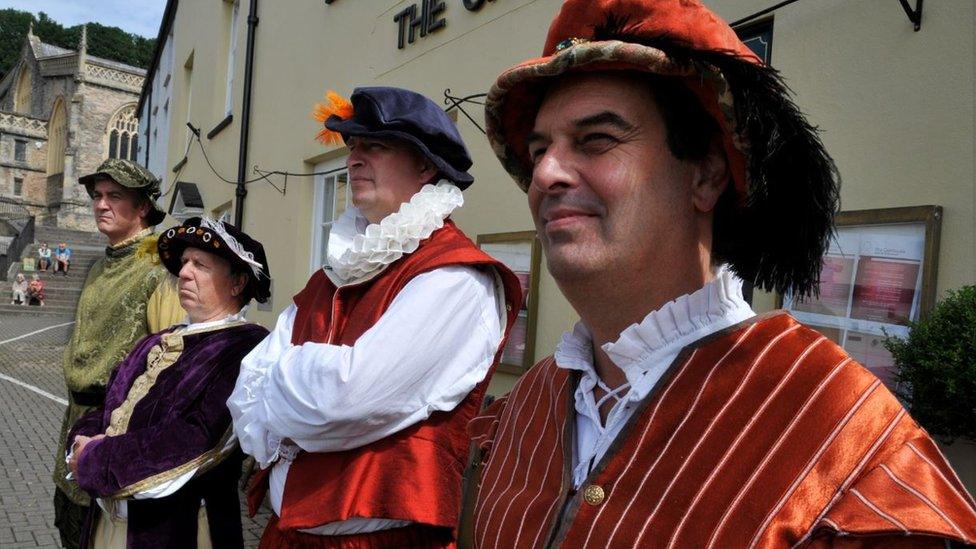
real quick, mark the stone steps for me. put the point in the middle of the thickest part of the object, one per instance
(55, 235)
(61, 292)
(54, 310)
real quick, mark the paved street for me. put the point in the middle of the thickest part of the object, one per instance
(29, 425)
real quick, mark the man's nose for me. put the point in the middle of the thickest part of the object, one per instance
(354, 159)
(555, 171)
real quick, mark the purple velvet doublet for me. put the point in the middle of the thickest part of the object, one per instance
(180, 422)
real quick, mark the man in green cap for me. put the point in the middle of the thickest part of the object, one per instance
(128, 294)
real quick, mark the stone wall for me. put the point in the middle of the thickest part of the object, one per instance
(98, 104)
(31, 171)
(93, 92)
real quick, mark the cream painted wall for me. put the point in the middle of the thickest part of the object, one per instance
(896, 108)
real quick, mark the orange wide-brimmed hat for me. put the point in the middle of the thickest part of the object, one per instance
(574, 45)
(786, 185)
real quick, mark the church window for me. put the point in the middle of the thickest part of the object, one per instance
(57, 138)
(113, 144)
(22, 92)
(20, 150)
(121, 133)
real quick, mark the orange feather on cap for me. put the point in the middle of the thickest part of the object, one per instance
(335, 105)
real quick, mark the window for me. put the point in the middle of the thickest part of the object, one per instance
(122, 130)
(18, 186)
(759, 38)
(20, 150)
(231, 57)
(22, 92)
(332, 197)
(188, 87)
(57, 138)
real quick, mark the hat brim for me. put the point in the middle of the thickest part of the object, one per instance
(156, 214)
(518, 92)
(174, 241)
(351, 128)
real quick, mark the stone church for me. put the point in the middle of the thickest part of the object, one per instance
(62, 112)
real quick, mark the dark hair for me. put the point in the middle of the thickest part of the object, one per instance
(690, 131)
(775, 236)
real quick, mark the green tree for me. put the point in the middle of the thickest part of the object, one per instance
(13, 28)
(108, 42)
(937, 366)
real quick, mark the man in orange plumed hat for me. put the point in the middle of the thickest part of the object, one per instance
(664, 164)
(356, 405)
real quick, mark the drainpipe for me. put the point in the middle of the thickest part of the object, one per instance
(252, 23)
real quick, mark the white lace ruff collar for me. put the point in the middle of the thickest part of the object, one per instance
(715, 306)
(355, 256)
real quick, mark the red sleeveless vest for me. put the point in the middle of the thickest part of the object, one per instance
(415, 474)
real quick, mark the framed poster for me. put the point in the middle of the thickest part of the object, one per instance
(520, 252)
(878, 274)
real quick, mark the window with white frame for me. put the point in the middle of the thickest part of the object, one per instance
(332, 197)
(188, 86)
(231, 57)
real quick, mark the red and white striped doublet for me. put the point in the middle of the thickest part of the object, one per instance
(763, 435)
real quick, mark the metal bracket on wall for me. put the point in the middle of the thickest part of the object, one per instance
(458, 102)
(914, 15)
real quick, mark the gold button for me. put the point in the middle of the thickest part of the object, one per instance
(593, 494)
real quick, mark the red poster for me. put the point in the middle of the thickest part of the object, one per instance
(884, 290)
(835, 288)
(514, 351)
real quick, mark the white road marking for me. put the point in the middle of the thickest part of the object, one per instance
(35, 332)
(28, 386)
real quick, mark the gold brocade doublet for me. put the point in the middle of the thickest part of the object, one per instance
(112, 316)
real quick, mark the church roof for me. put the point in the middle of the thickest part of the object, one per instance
(116, 65)
(48, 50)
(43, 50)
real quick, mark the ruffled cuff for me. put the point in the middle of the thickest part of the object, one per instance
(246, 405)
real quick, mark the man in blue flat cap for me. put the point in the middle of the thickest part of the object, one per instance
(356, 405)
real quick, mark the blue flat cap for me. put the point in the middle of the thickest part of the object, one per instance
(396, 113)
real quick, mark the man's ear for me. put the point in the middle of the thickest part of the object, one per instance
(427, 169)
(240, 282)
(711, 177)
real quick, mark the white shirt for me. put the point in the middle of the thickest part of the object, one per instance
(644, 352)
(431, 347)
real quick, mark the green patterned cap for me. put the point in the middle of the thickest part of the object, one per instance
(130, 175)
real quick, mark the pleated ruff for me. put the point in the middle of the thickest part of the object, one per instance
(763, 435)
